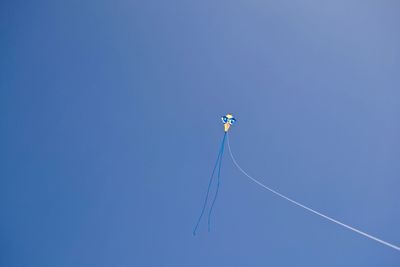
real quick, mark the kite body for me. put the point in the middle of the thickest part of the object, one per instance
(228, 120)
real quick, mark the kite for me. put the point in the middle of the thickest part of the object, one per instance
(228, 120)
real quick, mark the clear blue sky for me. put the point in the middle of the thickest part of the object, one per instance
(110, 124)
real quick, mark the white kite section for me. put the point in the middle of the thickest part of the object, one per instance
(307, 208)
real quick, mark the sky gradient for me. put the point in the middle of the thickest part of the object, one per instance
(110, 126)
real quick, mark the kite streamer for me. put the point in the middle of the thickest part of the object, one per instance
(218, 179)
(227, 120)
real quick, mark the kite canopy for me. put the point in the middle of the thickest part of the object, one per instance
(228, 120)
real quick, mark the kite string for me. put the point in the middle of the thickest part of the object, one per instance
(218, 179)
(307, 208)
(209, 185)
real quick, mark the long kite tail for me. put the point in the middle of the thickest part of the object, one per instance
(310, 209)
(209, 184)
(218, 179)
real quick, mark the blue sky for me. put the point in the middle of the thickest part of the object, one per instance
(110, 125)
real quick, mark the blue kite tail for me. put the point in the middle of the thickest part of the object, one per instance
(216, 192)
(209, 185)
